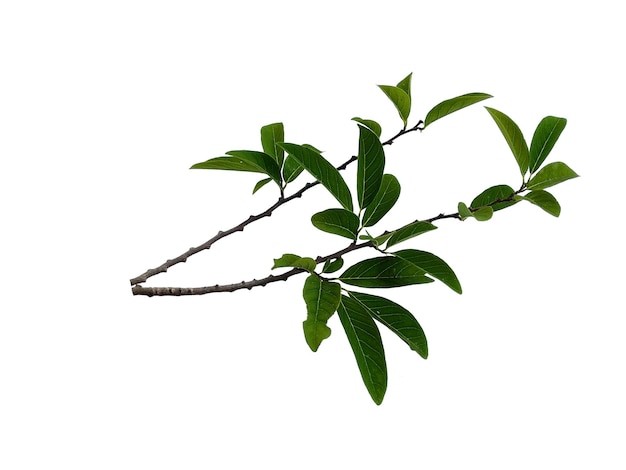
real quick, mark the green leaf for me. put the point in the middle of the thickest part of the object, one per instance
(322, 171)
(433, 265)
(338, 221)
(545, 200)
(331, 266)
(496, 193)
(514, 138)
(379, 240)
(262, 161)
(396, 318)
(322, 299)
(372, 125)
(370, 166)
(400, 99)
(385, 199)
(270, 136)
(291, 169)
(384, 272)
(290, 260)
(464, 212)
(454, 104)
(367, 346)
(409, 231)
(227, 163)
(551, 174)
(260, 184)
(547, 133)
(405, 84)
(483, 214)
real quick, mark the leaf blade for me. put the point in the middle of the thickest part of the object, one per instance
(337, 221)
(367, 347)
(370, 166)
(322, 299)
(322, 171)
(547, 133)
(384, 272)
(544, 200)
(433, 265)
(400, 99)
(396, 318)
(384, 200)
(495, 193)
(261, 160)
(513, 136)
(271, 135)
(452, 105)
(409, 231)
(550, 175)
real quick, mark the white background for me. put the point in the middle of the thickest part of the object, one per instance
(105, 105)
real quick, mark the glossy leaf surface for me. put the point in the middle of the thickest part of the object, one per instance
(514, 137)
(384, 272)
(367, 346)
(322, 171)
(291, 169)
(372, 125)
(337, 221)
(547, 133)
(495, 193)
(410, 231)
(370, 166)
(322, 299)
(550, 175)
(384, 200)
(545, 200)
(396, 318)
(271, 135)
(433, 265)
(454, 104)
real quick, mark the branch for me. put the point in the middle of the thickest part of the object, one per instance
(240, 227)
(178, 291)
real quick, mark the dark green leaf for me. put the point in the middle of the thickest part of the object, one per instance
(545, 200)
(400, 99)
(260, 184)
(323, 171)
(546, 135)
(291, 169)
(551, 174)
(331, 266)
(384, 272)
(396, 318)
(373, 125)
(449, 106)
(367, 346)
(514, 138)
(270, 136)
(290, 260)
(483, 214)
(370, 166)
(432, 265)
(385, 199)
(496, 193)
(338, 221)
(322, 299)
(409, 231)
(263, 161)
